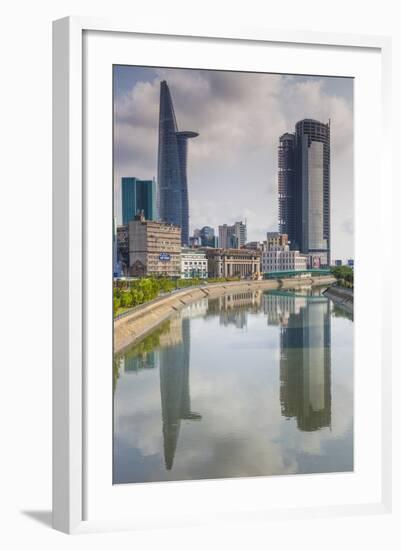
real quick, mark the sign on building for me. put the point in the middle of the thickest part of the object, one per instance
(164, 256)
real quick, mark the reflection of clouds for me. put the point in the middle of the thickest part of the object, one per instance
(342, 401)
(137, 421)
(147, 394)
(234, 384)
(342, 373)
(235, 457)
(307, 442)
(143, 433)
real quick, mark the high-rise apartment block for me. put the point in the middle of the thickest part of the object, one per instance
(240, 233)
(172, 167)
(226, 236)
(232, 236)
(304, 189)
(138, 196)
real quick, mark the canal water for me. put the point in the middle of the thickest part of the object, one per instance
(249, 384)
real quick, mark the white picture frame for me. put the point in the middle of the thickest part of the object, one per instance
(70, 260)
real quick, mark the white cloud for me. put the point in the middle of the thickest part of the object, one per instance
(232, 165)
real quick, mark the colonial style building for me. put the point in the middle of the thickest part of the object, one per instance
(233, 262)
(193, 264)
(154, 248)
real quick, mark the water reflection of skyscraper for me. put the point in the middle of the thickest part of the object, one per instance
(305, 359)
(174, 390)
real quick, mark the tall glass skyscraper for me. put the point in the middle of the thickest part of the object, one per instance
(138, 195)
(172, 166)
(304, 189)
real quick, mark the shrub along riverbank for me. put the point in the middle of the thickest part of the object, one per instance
(128, 294)
(344, 276)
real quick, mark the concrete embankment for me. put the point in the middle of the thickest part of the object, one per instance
(342, 297)
(134, 325)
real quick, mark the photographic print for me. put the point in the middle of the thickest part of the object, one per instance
(233, 274)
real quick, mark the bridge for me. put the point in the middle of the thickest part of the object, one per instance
(293, 294)
(297, 273)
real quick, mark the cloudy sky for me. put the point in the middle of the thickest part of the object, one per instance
(232, 165)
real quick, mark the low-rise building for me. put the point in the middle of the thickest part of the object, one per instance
(154, 248)
(194, 242)
(116, 262)
(281, 258)
(123, 248)
(194, 264)
(253, 245)
(274, 239)
(233, 262)
(317, 260)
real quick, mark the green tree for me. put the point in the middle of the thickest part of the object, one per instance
(116, 304)
(344, 275)
(126, 299)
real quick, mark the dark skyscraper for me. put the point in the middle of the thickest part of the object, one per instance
(304, 189)
(286, 186)
(172, 167)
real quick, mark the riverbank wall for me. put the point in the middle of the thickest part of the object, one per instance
(134, 325)
(342, 297)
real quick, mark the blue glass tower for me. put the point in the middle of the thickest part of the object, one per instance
(172, 167)
(138, 195)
